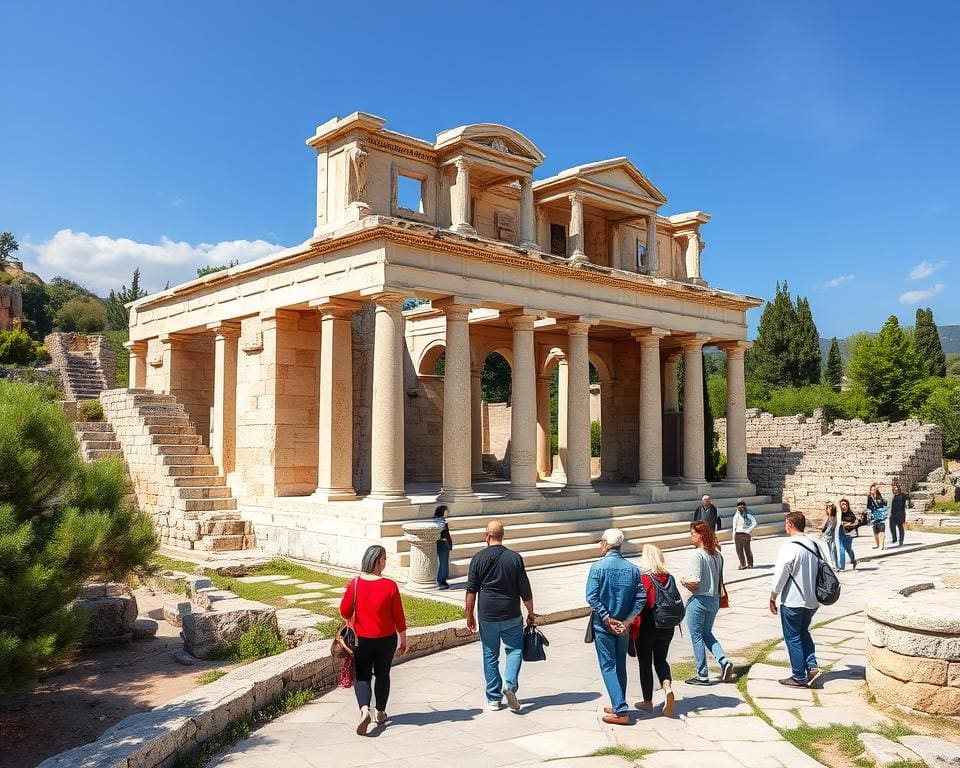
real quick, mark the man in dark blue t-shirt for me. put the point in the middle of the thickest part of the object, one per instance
(498, 575)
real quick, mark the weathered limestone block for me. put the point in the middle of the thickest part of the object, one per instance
(175, 610)
(112, 611)
(932, 699)
(145, 629)
(204, 631)
(912, 643)
(908, 668)
(885, 752)
(936, 753)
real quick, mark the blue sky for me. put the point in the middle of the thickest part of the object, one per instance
(821, 136)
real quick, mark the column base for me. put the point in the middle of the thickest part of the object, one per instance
(742, 484)
(529, 245)
(579, 257)
(651, 490)
(456, 494)
(334, 494)
(384, 498)
(579, 490)
(464, 229)
(524, 493)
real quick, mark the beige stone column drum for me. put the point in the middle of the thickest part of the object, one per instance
(544, 458)
(653, 258)
(173, 368)
(651, 412)
(563, 383)
(424, 562)
(386, 449)
(460, 200)
(476, 426)
(335, 464)
(523, 413)
(578, 410)
(223, 416)
(528, 218)
(457, 446)
(736, 413)
(671, 399)
(575, 248)
(694, 466)
(692, 256)
(138, 364)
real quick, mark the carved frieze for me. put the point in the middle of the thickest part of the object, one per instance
(252, 342)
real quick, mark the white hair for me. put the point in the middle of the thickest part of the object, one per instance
(704, 497)
(613, 537)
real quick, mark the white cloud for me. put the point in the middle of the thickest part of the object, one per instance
(178, 202)
(915, 297)
(836, 282)
(103, 263)
(925, 269)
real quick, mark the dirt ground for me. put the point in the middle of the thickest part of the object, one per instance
(95, 690)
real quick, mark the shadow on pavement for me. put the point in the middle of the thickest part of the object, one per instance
(556, 700)
(432, 717)
(688, 705)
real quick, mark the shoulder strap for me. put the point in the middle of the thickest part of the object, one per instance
(815, 551)
(356, 591)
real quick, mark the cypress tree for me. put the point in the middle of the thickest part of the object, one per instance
(833, 375)
(806, 346)
(118, 316)
(926, 339)
(772, 357)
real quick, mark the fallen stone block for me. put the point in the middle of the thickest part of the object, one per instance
(175, 610)
(184, 658)
(204, 631)
(111, 609)
(196, 583)
(145, 629)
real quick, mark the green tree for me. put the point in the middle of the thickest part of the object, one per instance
(833, 375)
(38, 318)
(710, 453)
(806, 346)
(771, 360)
(8, 245)
(62, 522)
(204, 271)
(60, 290)
(83, 315)
(926, 339)
(886, 368)
(495, 381)
(118, 316)
(940, 404)
(17, 348)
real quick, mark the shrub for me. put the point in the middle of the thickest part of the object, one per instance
(84, 315)
(940, 404)
(62, 522)
(90, 410)
(17, 348)
(257, 642)
(595, 433)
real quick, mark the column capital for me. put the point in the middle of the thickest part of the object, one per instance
(457, 312)
(579, 328)
(650, 335)
(136, 347)
(387, 300)
(462, 163)
(696, 341)
(575, 198)
(735, 348)
(225, 328)
(526, 182)
(339, 309)
(175, 339)
(522, 322)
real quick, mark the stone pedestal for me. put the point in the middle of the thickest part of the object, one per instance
(423, 539)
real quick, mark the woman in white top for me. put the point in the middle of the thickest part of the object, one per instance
(704, 580)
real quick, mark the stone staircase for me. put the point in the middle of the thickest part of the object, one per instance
(568, 536)
(82, 377)
(97, 440)
(173, 474)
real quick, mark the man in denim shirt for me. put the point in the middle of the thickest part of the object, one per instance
(616, 595)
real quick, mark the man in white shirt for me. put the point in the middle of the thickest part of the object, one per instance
(794, 591)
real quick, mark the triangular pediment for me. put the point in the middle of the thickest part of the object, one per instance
(622, 175)
(504, 145)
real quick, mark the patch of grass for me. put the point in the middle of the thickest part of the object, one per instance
(290, 701)
(236, 731)
(946, 507)
(257, 642)
(210, 676)
(813, 740)
(627, 753)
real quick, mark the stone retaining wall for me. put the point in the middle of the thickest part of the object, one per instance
(764, 430)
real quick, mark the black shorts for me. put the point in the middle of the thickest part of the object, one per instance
(879, 527)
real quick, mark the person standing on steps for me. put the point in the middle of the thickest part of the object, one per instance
(704, 579)
(794, 593)
(899, 501)
(743, 524)
(498, 576)
(616, 597)
(708, 513)
(651, 640)
(372, 603)
(444, 545)
(877, 510)
(848, 526)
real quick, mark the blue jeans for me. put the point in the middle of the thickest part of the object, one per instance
(796, 635)
(701, 613)
(612, 655)
(832, 549)
(443, 555)
(510, 632)
(845, 549)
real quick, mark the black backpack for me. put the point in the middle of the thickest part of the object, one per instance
(668, 608)
(828, 585)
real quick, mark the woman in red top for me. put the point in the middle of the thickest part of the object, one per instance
(371, 603)
(651, 643)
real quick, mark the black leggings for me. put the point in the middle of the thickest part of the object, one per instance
(373, 657)
(652, 645)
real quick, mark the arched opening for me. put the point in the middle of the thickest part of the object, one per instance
(432, 360)
(495, 401)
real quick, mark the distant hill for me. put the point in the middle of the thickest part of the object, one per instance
(949, 338)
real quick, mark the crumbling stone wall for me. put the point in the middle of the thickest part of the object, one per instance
(11, 307)
(764, 430)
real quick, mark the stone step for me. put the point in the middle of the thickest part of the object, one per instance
(162, 410)
(100, 445)
(166, 421)
(167, 429)
(198, 460)
(93, 455)
(190, 481)
(203, 491)
(93, 426)
(192, 470)
(205, 505)
(227, 528)
(173, 439)
(226, 543)
(180, 450)
(90, 436)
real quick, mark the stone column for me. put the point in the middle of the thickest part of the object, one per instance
(614, 235)
(575, 240)
(357, 205)
(694, 467)
(651, 412)
(523, 411)
(563, 385)
(671, 402)
(528, 218)
(578, 410)
(693, 256)
(457, 447)
(610, 443)
(653, 258)
(736, 413)
(386, 448)
(476, 426)
(423, 539)
(335, 462)
(223, 416)
(173, 368)
(543, 230)
(138, 364)
(544, 456)
(460, 203)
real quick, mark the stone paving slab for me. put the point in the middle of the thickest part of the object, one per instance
(936, 753)
(885, 752)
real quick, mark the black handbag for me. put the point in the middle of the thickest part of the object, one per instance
(533, 644)
(588, 636)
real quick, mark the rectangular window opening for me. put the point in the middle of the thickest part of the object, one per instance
(558, 240)
(409, 193)
(641, 255)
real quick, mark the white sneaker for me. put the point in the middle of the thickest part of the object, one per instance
(364, 721)
(494, 706)
(512, 701)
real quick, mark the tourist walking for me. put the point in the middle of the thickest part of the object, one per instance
(830, 532)
(444, 545)
(708, 513)
(794, 596)
(371, 603)
(616, 597)
(498, 576)
(899, 501)
(704, 580)
(652, 630)
(743, 524)
(848, 526)
(877, 509)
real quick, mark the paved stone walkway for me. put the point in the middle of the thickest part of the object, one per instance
(438, 717)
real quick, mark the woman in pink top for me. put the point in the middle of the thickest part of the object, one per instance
(371, 603)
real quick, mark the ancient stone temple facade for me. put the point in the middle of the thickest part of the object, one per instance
(317, 391)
